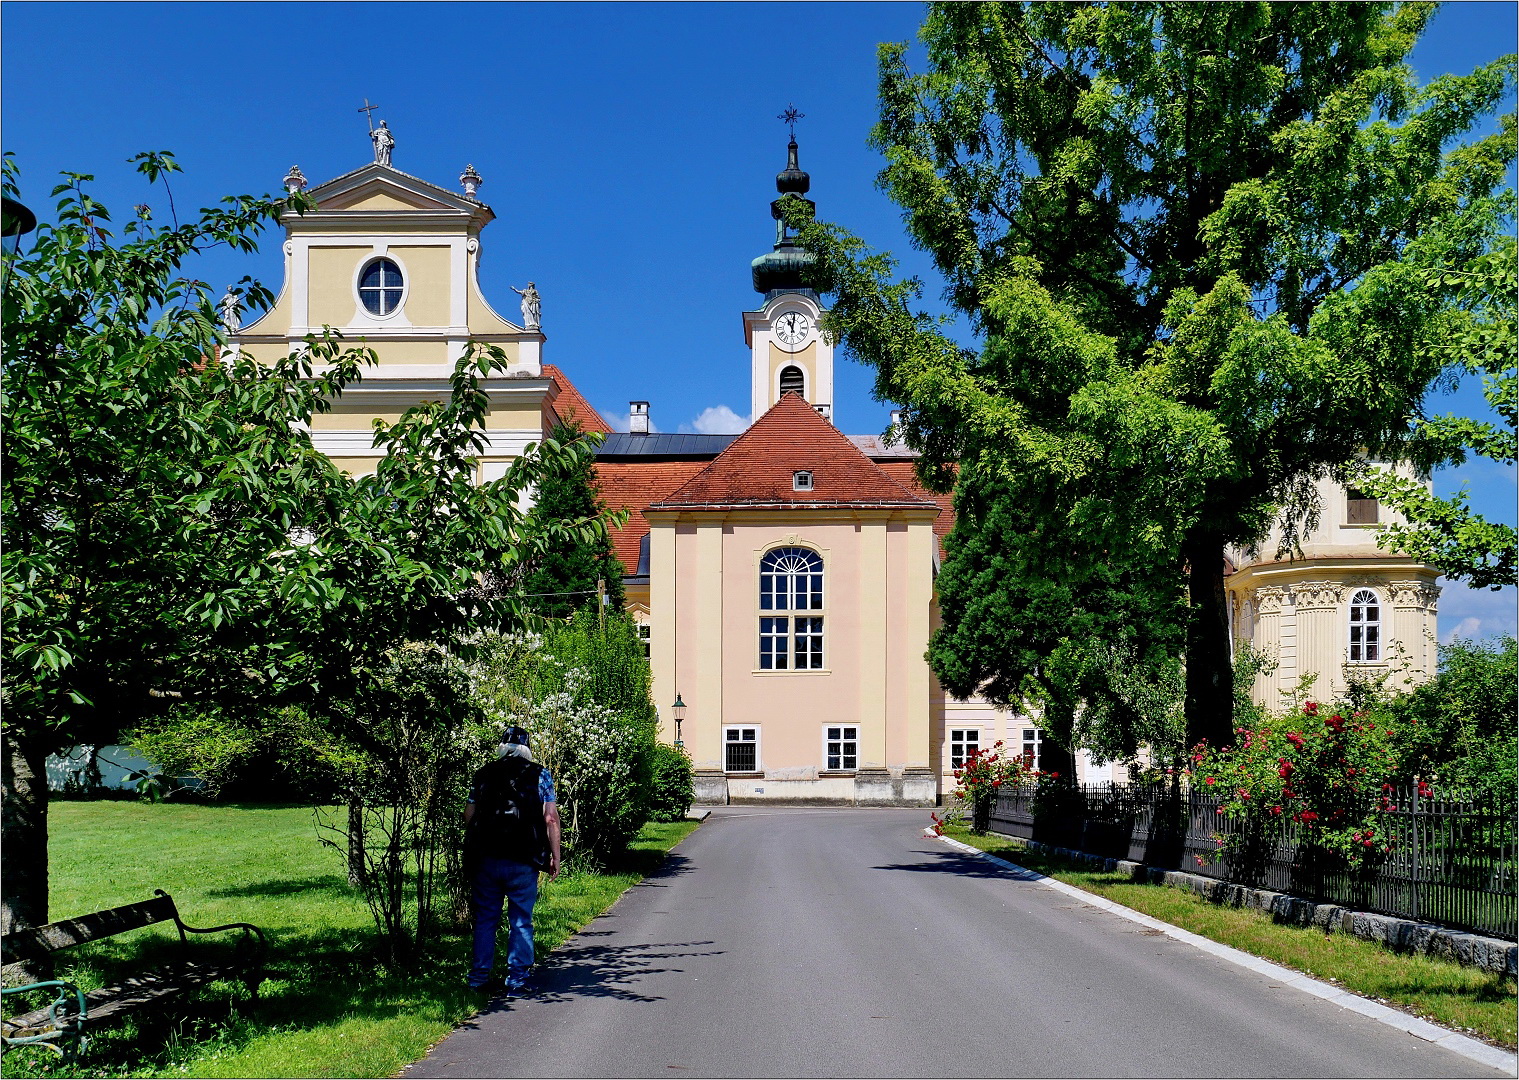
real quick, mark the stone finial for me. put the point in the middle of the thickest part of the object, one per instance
(471, 181)
(295, 180)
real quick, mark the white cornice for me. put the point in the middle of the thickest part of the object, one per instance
(360, 443)
(383, 384)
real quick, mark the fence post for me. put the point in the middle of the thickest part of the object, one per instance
(1414, 873)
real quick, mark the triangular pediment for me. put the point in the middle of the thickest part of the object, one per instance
(760, 467)
(382, 189)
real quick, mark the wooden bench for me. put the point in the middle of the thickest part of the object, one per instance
(64, 1020)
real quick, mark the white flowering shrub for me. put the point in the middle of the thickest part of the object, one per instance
(581, 689)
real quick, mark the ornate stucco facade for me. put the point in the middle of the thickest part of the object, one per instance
(1341, 608)
(379, 216)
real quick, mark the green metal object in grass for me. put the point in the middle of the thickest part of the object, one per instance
(60, 1026)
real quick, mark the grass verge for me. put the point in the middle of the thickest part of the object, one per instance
(1446, 993)
(328, 1008)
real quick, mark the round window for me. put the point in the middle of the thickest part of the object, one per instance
(380, 287)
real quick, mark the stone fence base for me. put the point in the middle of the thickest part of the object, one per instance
(1492, 955)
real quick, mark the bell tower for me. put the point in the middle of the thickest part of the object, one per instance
(787, 352)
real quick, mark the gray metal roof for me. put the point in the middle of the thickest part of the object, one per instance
(663, 445)
(873, 446)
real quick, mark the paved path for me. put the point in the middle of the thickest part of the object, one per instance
(838, 943)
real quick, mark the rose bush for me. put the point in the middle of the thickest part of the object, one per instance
(1330, 774)
(982, 775)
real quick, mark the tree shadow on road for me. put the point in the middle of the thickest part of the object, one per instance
(673, 865)
(608, 971)
(952, 862)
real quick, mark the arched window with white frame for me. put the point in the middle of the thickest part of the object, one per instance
(1365, 627)
(791, 581)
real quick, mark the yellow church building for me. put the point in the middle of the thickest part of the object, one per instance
(783, 578)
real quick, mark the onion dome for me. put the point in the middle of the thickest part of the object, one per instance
(792, 180)
(781, 270)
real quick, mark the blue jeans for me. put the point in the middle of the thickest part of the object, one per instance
(497, 883)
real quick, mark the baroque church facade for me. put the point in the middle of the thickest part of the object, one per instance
(783, 578)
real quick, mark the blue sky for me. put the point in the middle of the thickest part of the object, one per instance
(629, 151)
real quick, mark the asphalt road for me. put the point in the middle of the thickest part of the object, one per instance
(839, 943)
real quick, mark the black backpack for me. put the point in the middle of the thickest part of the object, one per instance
(508, 818)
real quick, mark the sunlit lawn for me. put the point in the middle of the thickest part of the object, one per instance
(1438, 990)
(328, 1008)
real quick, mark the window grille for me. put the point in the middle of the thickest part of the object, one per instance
(741, 749)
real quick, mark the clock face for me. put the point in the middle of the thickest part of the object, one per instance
(792, 328)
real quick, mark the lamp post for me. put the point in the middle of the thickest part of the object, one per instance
(678, 710)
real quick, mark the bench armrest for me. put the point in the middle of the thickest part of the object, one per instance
(246, 928)
(60, 1024)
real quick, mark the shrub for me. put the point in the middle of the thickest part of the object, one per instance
(1331, 773)
(581, 688)
(673, 787)
(979, 779)
(1459, 727)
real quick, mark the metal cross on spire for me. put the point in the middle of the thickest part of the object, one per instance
(790, 117)
(367, 110)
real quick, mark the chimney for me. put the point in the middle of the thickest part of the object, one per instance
(896, 417)
(638, 418)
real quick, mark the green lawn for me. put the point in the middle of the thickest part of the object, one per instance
(328, 1008)
(1441, 991)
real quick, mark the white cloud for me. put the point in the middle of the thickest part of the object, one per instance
(1476, 613)
(618, 420)
(717, 420)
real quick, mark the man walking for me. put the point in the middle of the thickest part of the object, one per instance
(511, 833)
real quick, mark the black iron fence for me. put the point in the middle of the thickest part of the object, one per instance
(1454, 860)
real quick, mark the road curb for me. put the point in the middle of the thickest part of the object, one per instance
(1456, 1043)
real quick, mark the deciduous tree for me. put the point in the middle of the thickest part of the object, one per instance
(171, 535)
(1209, 253)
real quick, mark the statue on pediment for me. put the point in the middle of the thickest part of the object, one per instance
(532, 306)
(384, 143)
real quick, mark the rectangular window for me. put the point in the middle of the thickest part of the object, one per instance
(644, 638)
(809, 643)
(741, 749)
(841, 748)
(961, 742)
(1031, 740)
(775, 641)
(1360, 508)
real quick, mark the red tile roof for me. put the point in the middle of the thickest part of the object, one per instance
(634, 485)
(756, 469)
(902, 471)
(570, 403)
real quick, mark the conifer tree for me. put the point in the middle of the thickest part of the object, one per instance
(564, 580)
